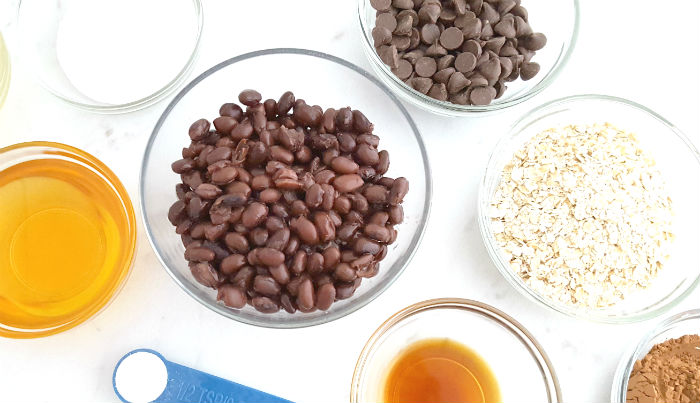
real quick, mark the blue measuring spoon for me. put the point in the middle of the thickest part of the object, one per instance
(144, 375)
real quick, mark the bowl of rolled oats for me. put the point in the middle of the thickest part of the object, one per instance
(590, 205)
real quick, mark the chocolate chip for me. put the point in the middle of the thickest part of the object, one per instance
(402, 4)
(461, 20)
(386, 20)
(421, 84)
(460, 6)
(401, 42)
(381, 5)
(426, 66)
(504, 6)
(412, 13)
(451, 38)
(486, 30)
(414, 39)
(443, 76)
(429, 33)
(457, 83)
(381, 36)
(534, 41)
(488, 13)
(389, 55)
(482, 95)
(506, 27)
(445, 62)
(491, 70)
(403, 70)
(413, 55)
(472, 28)
(522, 28)
(429, 13)
(438, 91)
(460, 98)
(447, 15)
(404, 25)
(435, 50)
(478, 80)
(529, 70)
(465, 62)
(495, 44)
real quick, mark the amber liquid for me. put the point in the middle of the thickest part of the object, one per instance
(440, 370)
(64, 242)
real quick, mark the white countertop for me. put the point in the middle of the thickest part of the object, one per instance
(633, 49)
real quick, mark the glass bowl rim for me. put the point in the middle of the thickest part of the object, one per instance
(433, 105)
(108, 176)
(537, 352)
(484, 221)
(332, 315)
(624, 368)
(138, 104)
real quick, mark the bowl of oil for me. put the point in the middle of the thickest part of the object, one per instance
(453, 350)
(67, 238)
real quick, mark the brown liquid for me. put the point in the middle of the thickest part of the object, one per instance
(440, 370)
(64, 244)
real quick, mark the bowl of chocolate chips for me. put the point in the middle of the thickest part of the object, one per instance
(467, 57)
(285, 188)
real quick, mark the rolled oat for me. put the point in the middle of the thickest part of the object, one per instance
(581, 214)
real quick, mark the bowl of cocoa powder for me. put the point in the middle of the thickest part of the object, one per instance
(664, 366)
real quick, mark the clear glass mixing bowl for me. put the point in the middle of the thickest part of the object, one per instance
(38, 27)
(679, 163)
(557, 19)
(319, 79)
(518, 362)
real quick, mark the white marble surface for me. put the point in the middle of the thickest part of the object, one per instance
(643, 50)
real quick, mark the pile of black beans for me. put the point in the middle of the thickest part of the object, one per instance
(283, 204)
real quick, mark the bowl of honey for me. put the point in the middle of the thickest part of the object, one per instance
(453, 350)
(67, 238)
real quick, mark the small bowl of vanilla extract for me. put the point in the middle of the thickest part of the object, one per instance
(67, 238)
(453, 350)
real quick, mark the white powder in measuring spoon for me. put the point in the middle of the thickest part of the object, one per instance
(120, 51)
(141, 377)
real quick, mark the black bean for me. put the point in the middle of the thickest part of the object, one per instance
(266, 285)
(398, 191)
(182, 166)
(265, 305)
(325, 297)
(231, 296)
(314, 263)
(205, 274)
(285, 103)
(258, 236)
(344, 272)
(307, 298)
(199, 129)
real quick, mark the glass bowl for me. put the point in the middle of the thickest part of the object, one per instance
(106, 285)
(561, 33)
(684, 323)
(38, 28)
(517, 360)
(677, 160)
(319, 79)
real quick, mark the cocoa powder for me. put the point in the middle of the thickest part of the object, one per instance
(669, 373)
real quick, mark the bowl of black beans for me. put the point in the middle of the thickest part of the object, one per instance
(467, 57)
(285, 188)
